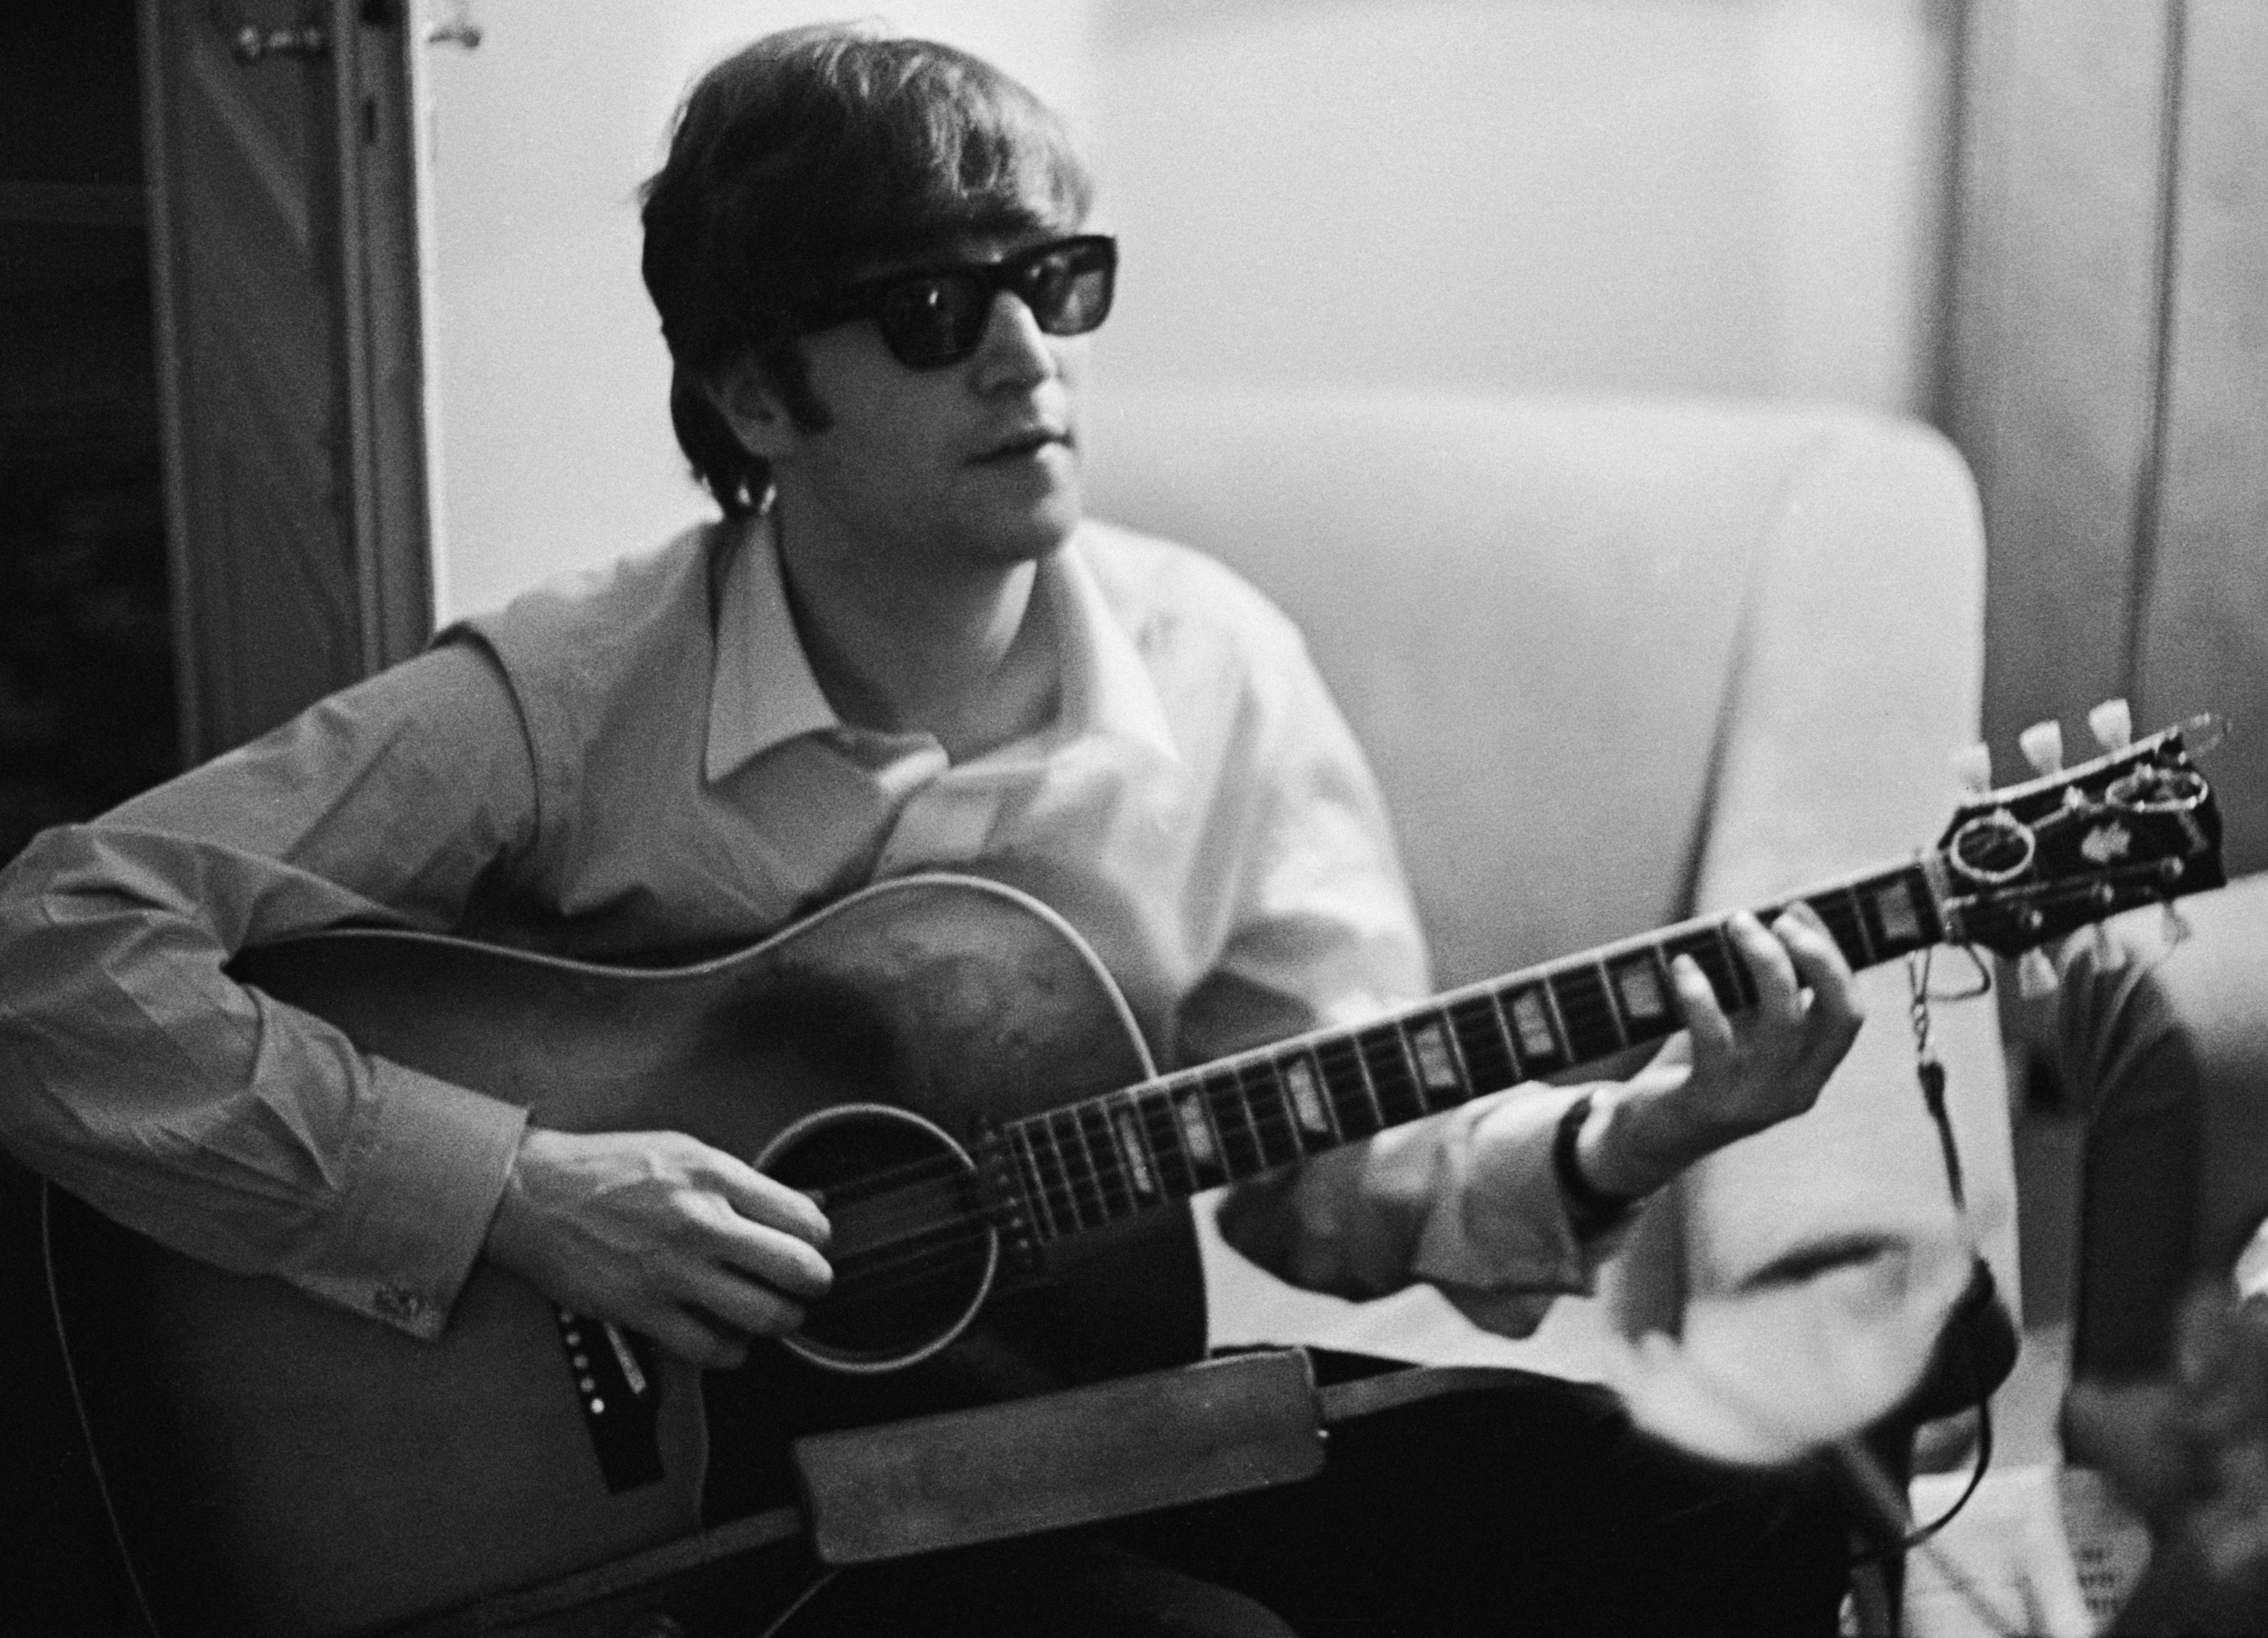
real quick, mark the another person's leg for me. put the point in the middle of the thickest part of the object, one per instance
(2127, 1068)
(1531, 1506)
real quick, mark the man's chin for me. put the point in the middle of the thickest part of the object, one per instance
(1031, 533)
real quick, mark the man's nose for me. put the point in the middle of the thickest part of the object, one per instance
(1014, 351)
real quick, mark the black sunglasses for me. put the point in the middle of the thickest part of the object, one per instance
(934, 316)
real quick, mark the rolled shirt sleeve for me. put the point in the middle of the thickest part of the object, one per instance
(1325, 936)
(204, 1114)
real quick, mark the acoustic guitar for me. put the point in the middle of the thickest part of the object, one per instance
(948, 1068)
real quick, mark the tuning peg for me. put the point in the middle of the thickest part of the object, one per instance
(2043, 746)
(2035, 975)
(1972, 768)
(2112, 724)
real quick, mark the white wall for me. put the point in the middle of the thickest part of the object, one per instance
(548, 381)
(1625, 195)
(1736, 196)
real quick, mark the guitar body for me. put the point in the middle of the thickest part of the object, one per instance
(277, 1465)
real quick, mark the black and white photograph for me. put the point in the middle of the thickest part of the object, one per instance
(1133, 819)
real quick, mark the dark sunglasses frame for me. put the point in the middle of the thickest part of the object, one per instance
(1020, 275)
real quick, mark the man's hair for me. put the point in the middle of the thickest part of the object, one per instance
(802, 156)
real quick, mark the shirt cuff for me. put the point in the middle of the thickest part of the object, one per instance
(427, 1173)
(1499, 1222)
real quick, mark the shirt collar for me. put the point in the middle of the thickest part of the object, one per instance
(1107, 687)
(763, 693)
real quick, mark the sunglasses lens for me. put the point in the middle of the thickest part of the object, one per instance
(1068, 290)
(936, 318)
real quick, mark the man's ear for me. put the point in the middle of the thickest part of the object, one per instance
(743, 394)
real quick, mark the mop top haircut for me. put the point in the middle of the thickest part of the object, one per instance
(799, 161)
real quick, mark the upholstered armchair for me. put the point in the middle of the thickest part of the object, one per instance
(1616, 663)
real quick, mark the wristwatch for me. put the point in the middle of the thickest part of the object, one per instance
(1591, 1210)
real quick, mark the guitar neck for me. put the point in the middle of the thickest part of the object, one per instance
(1087, 1165)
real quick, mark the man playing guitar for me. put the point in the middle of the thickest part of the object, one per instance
(899, 648)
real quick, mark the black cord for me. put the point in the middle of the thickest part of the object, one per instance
(1982, 1404)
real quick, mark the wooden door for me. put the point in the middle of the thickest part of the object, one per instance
(278, 135)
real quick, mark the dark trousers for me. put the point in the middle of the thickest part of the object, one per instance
(1530, 1506)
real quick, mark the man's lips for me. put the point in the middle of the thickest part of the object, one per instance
(1017, 445)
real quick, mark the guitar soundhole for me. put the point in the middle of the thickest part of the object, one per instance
(912, 1253)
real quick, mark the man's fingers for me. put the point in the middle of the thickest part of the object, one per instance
(772, 1257)
(1706, 1023)
(1819, 965)
(1770, 965)
(692, 1339)
(741, 1303)
(770, 1202)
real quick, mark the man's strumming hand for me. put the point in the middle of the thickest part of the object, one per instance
(1733, 1076)
(661, 1232)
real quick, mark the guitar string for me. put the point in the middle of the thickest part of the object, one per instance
(1271, 1122)
(899, 1259)
(1265, 1124)
(913, 1242)
(1272, 1118)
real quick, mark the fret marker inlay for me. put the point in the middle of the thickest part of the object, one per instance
(1437, 1067)
(1640, 989)
(1197, 1131)
(1307, 1098)
(1137, 1161)
(1901, 921)
(1533, 1024)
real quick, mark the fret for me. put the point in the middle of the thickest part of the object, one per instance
(1272, 1124)
(1351, 1102)
(1111, 1185)
(1079, 1168)
(1309, 1107)
(1482, 1041)
(1043, 1126)
(1588, 1014)
(1165, 1139)
(1707, 947)
(1027, 1160)
(1893, 914)
(1535, 1024)
(1744, 983)
(1231, 1118)
(1191, 1112)
(1839, 909)
(1385, 1058)
(1123, 1119)
(1441, 1079)
(1640, 988)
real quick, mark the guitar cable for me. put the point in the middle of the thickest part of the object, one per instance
(820, 1584)
(1976, 1302)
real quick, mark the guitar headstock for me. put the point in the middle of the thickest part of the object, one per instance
(2025, 864)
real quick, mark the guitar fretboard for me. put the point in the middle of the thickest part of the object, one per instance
(1087, 1165)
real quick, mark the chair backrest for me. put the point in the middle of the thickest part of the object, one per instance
(1536, 613)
